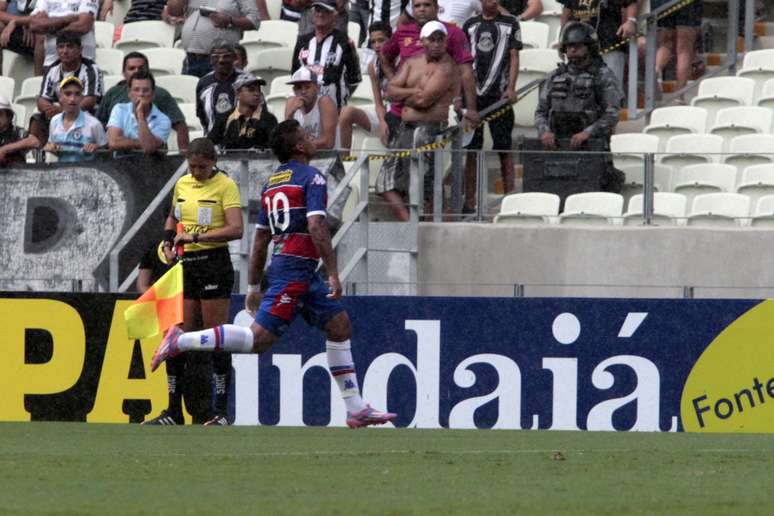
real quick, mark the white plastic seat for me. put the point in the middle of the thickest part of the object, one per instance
(629, 148)
(670, 121)
(7, 87)
(719, 209)
(689, 149)
(554, 21)
(738, 121)
(279, 86)
(275, 9)
(31, 85)
(271, 63)
(763, 212)
(189, 112)
(353, 31)
(538, 59)
(524, 109)
(17, 66)
(717, 93)
(145, 35)
(591, 208)
(758, 65)
(28, 97)
(20, 115)
(363, 94)
(103, 33)
(110, 60)
(276, 104)
(181, 87)
(766, 97)
(668, 208)
(534, 34)
(695, 180)
(108, 81)
(750, 149)
(165, 61)
(635, 179)
(757, 182)
(530, 207)
(373, 145)
(280, 31)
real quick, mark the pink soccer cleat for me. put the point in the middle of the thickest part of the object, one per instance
(168, 347)
(369, 416)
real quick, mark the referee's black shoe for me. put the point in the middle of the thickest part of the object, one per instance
(165, 418)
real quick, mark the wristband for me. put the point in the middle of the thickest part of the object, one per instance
(252, 289)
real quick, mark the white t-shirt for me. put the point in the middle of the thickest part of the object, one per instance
(59, 8)
(458, 11)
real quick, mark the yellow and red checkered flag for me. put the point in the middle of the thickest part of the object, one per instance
(160, 307)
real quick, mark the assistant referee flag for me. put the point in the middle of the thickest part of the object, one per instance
(160, 307)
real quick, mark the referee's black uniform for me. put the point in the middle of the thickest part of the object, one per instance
(334, 61)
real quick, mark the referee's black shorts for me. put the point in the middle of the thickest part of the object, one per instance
(208, 274)
(501, 127)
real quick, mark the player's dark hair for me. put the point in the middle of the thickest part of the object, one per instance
(284, 139)
(142, 75)
(380, 26)
(201, 147)
(134, 55)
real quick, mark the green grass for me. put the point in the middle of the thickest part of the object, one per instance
(71, 468)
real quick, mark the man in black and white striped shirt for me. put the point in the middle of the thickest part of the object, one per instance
(387, 11)
(70, 62)
(328, 53)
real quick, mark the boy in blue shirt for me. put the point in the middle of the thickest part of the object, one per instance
(74, 134)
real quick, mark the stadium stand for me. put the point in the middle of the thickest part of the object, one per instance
(738, 121)
(165, 61)
(723, 92)
(750, 149)
(529, 207)
(181, 87)
(534, 34)
(591, 208)
(757, 182)
(142, 35)
(758, 65)
(110, 60)
(695, 180)
(635, 180)
(628, 148)
(691, 149)
(766, 98)
(763, 215)
(668, 209)
(719, 209)
(271, 63)
(670, 121)
(104, 32)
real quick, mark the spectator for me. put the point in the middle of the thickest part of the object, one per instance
(388, 11)
(360, 12)
(425, 84)
(14, 141)
(315, 112)
(138, 124)
(523, 10)
(204, 24)
(328, 52)
(292, 9)
(135, 62)
(139, 10)
(53, 16)
(215, 98)
(15, 34)
(611, 28)
(240, 61)
(496, 40)
(677, 33)
(251, 124)
(74, 134)
(374, 120)
(458, 11)
(306, 21)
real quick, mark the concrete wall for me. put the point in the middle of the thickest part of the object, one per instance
(489, 260)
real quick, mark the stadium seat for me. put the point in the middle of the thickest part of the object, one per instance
(758, 65)
(7, 87)
(750, 149)
(628, 148)
(363, 94)
(690, 149)
(695, 180)
(275, 30)
(763, 214)
(117, 15)
(276, 104)
(165, 61)
(670, 121)
(255, 41)
(275, 9)
(30, 90)
(766, 98)
(757, 182)
(534, 63)
(20, 114)
(353, 31)
(280, 86)
(635, 179)
(143, 35)
(591, 208)
(717, 93)
(373, 145)
(108, 81)
(110, 60)
(271, 63)
(552, 18)
(103, 33)
(181, 87)
(719, 209)
(528, 208)
(17, 66)
(191, 120)
(668, 209)
(737, 121)
(534, 34)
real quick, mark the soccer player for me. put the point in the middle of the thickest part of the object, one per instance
(292, 214)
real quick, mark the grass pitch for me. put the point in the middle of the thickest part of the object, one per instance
(72, 468)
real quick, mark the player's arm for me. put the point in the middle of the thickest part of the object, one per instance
(321, 236)
(396, 89)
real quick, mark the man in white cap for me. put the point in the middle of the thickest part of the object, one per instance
(250, 125)
(14, 141)
(426, 84)
(315, 112)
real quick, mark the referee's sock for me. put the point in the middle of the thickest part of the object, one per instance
(226, 337)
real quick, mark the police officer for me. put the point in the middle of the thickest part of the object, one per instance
(580, 99)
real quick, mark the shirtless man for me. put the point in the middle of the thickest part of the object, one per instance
(426, 85)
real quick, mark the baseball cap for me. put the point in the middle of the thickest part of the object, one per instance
(431, 27)
(247, 78)
(5, 104)
(303, 74)
(325, 4)
(70, 80)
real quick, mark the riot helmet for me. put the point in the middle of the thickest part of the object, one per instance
(579, 32)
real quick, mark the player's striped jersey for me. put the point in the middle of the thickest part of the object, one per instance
(292, 193)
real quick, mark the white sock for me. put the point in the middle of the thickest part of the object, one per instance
(227, 337)
(342, 368)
